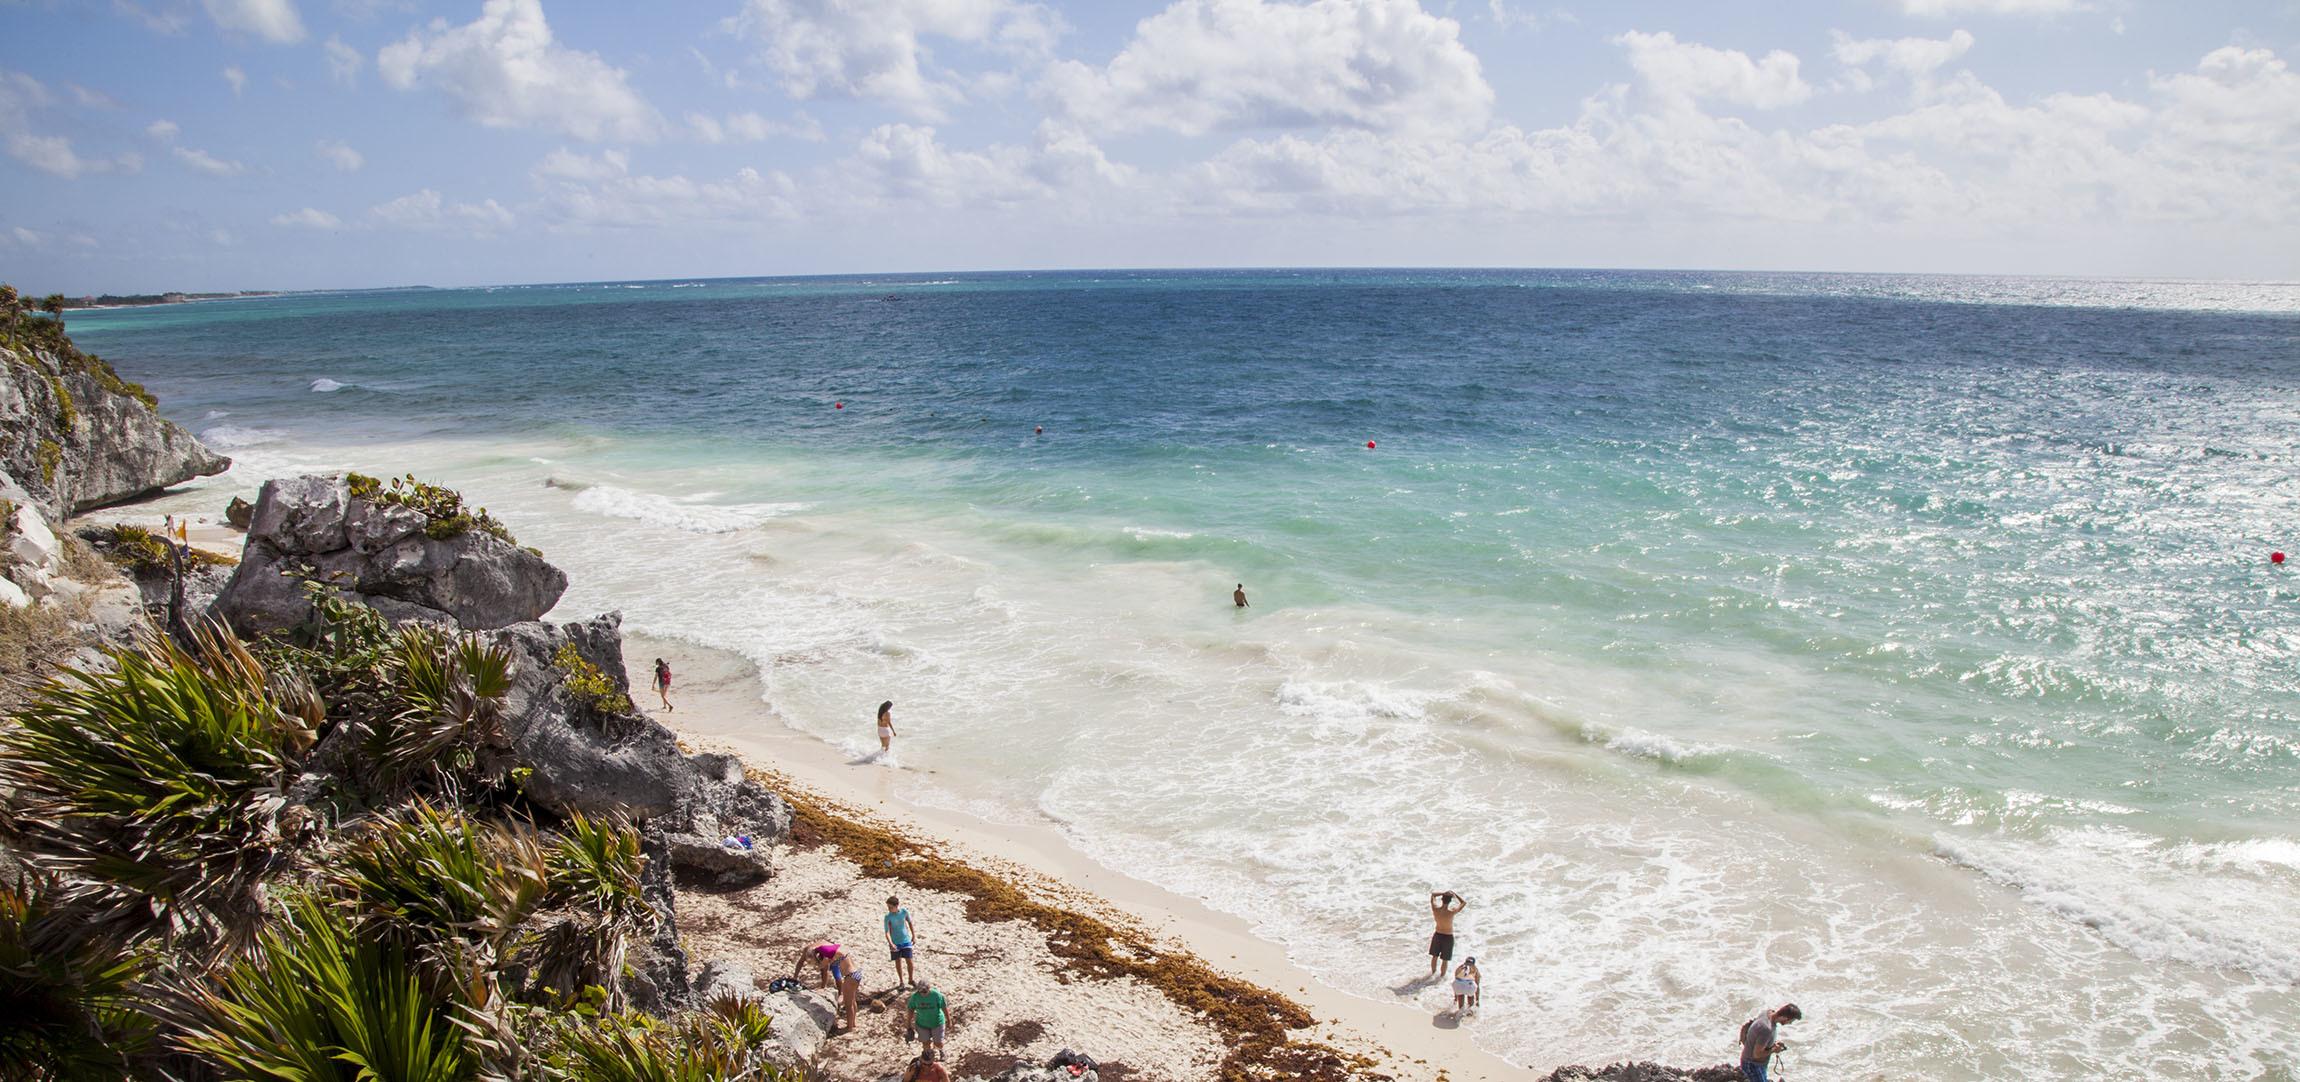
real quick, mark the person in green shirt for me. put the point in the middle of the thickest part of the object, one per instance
(927, 1017)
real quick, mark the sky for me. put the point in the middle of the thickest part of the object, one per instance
(300, 144)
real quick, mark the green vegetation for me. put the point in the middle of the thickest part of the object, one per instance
(586, 686)
(26, 328)
(192, 910)
(158, 783)
(50, 455)
(67, 985)
(141, 552)
(445, 516)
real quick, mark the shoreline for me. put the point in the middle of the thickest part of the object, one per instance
(720, 704)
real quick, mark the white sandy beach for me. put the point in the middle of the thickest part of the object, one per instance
(993, 974)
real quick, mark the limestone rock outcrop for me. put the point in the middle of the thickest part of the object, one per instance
(313, 528)
(77, 437)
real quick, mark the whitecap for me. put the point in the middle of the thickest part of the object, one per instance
(234, 437)
(658, 510)
(324, 385)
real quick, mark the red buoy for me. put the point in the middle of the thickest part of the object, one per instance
(839, 406)
(1040, 430)
(1369, 445)
(2275, 557)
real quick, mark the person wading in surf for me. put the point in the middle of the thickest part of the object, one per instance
(1238, 597)
(886, 725)
(1443, 906)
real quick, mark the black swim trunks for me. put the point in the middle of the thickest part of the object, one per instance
(1441, 946)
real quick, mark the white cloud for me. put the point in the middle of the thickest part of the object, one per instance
(90, 98)
(20, 97)
(751, 128)
(307, 218)
(343, 62)
(1910, 56)
(24, 238)
(1944, 8)
(162, 130)
(341, 155)
(2243, 98)
(873, 49)
(427, 210)
(208, 163)
(1687, 72)
(1226, 65)
(565, 164)
(503, 70)
(163, 21)
(274, 21)
(238, 79)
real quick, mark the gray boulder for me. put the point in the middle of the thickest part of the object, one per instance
(802, 1019)
(313, 528)
(77, 437)
(578, 759)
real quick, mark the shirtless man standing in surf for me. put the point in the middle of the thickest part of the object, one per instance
(1443, 906)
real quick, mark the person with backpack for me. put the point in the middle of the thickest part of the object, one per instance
(663, 683)
(1761, 1037)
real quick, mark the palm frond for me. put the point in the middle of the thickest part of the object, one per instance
(68, 1009)
(162, 780)
(317, 1002)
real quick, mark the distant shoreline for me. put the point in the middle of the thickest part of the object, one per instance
(146, 300)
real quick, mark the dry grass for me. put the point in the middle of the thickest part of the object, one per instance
(1257, 1025)
(33, 641)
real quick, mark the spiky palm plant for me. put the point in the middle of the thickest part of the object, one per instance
(596, 866)
(316, 1001)
(68, 1008)
(726, 1041)
(446, 711)
(452, 890)
(161, 782)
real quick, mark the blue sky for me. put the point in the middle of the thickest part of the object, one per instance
(228, 144)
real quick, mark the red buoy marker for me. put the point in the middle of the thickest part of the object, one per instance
(838, 405)
(2275, 557)
(1369, 445)
(1038, 430)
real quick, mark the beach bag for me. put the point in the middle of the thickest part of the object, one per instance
(1068, 1058)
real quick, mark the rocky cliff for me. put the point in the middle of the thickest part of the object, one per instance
(76, 436)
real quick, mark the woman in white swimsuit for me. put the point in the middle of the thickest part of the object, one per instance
(886, 725)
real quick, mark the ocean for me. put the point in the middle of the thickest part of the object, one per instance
(1904, 646)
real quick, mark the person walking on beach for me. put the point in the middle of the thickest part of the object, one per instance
(838, 970)
(1467, 983)
(1443, 906)
(900, 936)
(663, 683)
(928, 1018)
(1238, 596)
(886, 726)
(1761, 1037)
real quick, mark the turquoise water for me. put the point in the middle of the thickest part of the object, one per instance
(1905, 646)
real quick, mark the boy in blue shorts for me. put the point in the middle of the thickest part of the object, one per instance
(900, 936)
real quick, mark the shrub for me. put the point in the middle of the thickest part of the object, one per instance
(452, 890)
(445, 700)
(586, 686)
(445, 516)
(162, 780)
(142, 552)
(316, 1002)
(50, 455)
(67, 987)
(725, 1041)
